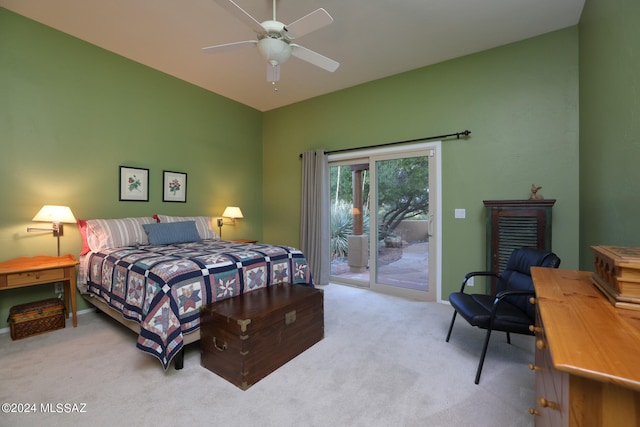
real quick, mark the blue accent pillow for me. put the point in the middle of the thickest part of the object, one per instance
(168, 233)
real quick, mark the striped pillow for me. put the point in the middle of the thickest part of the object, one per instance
(169, 233)
(115, 233)
(203, 224)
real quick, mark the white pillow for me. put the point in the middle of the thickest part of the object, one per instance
(115, 233)
(203, 224)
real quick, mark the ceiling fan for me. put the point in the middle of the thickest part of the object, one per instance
(274, 40)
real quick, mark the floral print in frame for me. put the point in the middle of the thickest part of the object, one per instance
(174, 187)
(134, 184)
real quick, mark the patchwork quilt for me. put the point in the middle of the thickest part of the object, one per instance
(163, 287)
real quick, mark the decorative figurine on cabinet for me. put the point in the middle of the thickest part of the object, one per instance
(534, 193)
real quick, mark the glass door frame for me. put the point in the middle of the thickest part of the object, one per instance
(435, 193)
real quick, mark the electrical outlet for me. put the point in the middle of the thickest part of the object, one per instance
(470, 281)
(58, 288)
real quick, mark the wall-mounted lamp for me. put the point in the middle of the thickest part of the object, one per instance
(56, 215)
(232, 212)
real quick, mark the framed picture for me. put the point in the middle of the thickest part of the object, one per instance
(134, 184)
(174, 187)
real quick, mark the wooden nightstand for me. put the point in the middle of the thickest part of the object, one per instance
(40, 270)
(245, 241)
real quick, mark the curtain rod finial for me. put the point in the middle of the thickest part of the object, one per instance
(465, 133)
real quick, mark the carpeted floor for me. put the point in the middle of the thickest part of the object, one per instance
(383, 362)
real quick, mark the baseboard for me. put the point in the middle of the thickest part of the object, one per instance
(78, 313)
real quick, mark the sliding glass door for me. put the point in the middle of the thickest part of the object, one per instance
(383, 208)
(349, 199)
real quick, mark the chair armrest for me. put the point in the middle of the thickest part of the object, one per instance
(476, 273)
(505, 294)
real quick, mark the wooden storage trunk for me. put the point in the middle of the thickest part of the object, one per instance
(245, 338)
(617, 274)
(35, 318)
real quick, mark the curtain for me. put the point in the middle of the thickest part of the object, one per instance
(314, 223)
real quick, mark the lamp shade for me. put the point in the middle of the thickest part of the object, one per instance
(51, 213)
(232, 212)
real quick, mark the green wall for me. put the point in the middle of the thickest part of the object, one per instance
(72, 113)
(609, 126)
(520, 102)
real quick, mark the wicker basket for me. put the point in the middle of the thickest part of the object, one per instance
(36, 318)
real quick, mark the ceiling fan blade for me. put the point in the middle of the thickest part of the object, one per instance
(314, 58)
(233, 8)
(273, 72)
(229, 46)
(308, 23)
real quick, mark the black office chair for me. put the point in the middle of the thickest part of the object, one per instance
(510, 309)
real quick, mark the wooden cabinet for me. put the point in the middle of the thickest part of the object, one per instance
(587, 351)
(513, 224)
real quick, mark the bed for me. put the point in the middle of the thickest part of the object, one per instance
(153, 275)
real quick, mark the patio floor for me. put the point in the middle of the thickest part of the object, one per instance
(410, 271)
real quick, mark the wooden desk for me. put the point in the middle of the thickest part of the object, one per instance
(587, 369)
(40, 270)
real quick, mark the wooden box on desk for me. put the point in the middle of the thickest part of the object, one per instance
(245, 338)
(34, 318)
(617, 274)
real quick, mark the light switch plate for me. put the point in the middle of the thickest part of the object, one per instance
(460, 213)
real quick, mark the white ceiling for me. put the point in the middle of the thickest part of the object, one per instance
(370, 38)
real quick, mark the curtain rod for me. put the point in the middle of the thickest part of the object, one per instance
(427, 138)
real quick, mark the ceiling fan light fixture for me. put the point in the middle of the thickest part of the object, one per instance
(274, 51)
